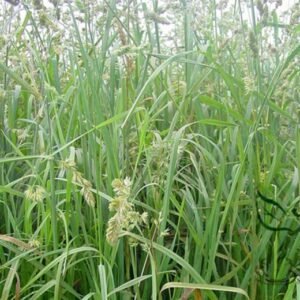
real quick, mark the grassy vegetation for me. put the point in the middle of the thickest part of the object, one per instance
(135, 140)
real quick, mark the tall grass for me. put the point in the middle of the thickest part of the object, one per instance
(131, 161)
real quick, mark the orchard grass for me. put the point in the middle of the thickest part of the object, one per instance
(149, 150)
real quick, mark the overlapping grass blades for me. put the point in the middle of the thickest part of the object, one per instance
(198, 128)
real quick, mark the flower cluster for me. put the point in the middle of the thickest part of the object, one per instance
(77, 177)
(35, 193)
(125, 216)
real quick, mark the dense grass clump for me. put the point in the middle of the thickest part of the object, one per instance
(149, 150)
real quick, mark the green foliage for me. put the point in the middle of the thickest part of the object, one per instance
(149, 150)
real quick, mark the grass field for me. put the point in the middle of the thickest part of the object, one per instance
(149, 150)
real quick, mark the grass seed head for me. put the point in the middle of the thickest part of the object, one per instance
(125, 217)
(35, 193)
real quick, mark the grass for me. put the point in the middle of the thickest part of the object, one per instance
(132, 157)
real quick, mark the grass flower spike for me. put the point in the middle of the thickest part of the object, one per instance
(125, 216)
(35, 193)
